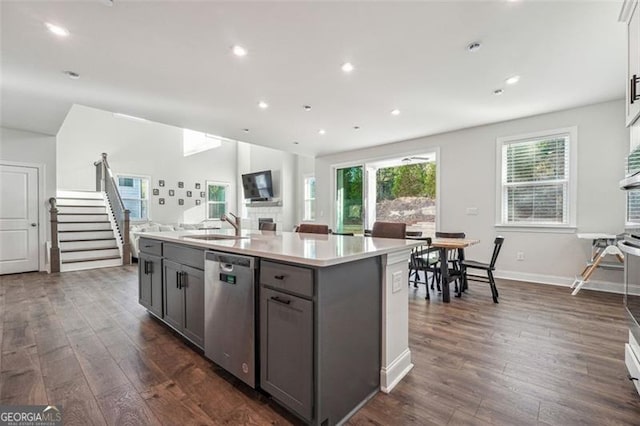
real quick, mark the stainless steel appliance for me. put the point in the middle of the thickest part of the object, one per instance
(230, 313)
(631, 248)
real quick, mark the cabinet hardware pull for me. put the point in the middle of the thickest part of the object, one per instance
(148, 246)
(277, 299)
(146, 267)
(633, 90)
(279, 277)
(183, 275)
(178, 275)
(632, 378)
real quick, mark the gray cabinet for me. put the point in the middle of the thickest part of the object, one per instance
(150, 282)
(286, 358)
(184, 300)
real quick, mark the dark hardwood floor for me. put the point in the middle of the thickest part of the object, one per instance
(541, 356)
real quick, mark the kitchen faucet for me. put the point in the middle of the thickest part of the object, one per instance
(235, 222)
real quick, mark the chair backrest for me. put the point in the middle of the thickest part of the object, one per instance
(497, 245)
(389, 230)
(452, 254)
(345, 234)
(418, 252)
(414, 234)
(312, 228)
(268, 226)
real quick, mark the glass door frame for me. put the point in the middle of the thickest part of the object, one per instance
(334, 192)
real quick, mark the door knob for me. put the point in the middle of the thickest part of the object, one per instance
(34, 224)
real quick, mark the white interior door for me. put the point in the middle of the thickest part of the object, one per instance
(18, 219)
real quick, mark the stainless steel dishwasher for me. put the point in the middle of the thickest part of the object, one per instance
(229, 328)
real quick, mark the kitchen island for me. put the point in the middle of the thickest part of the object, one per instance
(331, 312)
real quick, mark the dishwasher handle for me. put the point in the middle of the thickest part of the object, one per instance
(227, 260)
(280, 300)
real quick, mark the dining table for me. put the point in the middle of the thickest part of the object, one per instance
(444, 245)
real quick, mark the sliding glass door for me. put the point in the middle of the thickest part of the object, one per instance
(350, 199)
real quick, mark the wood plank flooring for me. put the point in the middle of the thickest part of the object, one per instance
(540, 357)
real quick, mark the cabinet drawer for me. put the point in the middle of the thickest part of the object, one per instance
(633, 365)
(285, 277)
(184, 255)
(150, 246)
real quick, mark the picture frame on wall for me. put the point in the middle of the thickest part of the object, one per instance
(189, 193)
(156, 191)
(202, 194)
(180, 184)
(198, 202)
(180, 202)
(172, 193)
(161, 182)
(197, 185)
(161, 201)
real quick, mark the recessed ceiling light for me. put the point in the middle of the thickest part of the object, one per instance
(474, 47)
(296, 143)
(513, 80)
(395, 112)
(498, 92)
(72, 75)
(129, 117)
(322, 131)
(263, 105)
(245, 130)
(356, 127)
(307, 107)
(56, 29)
(239, 50)
(347, 67)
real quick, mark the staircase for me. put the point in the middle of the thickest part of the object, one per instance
(86, 233)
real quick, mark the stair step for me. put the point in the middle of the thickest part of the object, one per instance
(68, 202)
(82, 217)
(90, 254)
(91, 260)
(88, 244)
(85, 235)
(84, 226)
(91, 264)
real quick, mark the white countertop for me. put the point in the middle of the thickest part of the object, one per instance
(306, 249)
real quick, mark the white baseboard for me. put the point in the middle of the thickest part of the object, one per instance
(390, 376)
(605, 286)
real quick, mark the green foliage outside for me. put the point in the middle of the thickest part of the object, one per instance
(412, 180)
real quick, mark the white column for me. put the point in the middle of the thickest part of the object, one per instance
(396, 356)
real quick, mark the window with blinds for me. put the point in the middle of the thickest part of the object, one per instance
(535, 181)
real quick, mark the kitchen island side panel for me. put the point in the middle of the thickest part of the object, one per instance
(348, 327)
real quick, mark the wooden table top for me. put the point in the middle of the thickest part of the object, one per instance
(453, 243)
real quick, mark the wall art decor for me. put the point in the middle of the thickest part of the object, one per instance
(189, 193)
(161, 182)
(180, 184)
(197, 185)
(202, 194)
(160, 200)
(172, 193)
(180, 202)
(156, 191)
(197, 202)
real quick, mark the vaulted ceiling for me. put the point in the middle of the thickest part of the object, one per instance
(172, 62)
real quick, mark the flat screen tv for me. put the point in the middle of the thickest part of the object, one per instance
(258, 186)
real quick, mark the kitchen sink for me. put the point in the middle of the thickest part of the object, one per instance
(213, 237)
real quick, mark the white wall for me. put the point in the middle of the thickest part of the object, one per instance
(27, 147)
(468, 179)
(142, 148)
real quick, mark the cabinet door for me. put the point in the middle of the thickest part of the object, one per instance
(173, 295)
(633, 72)
(286, 356)
(154, 270)
(193, 288)
(144, 281)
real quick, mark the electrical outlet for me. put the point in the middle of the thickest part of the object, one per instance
(396, 282)
(520, 255)
(472, 211)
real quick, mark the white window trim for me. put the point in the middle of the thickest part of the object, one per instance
(572, 195)
(227, 185)
(149, 191)
(304, 199)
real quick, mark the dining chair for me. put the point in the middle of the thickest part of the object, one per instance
(487, 267)
(389, 230)
(313, 228)
(453, 261)
(267, 226)
(422, 260)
